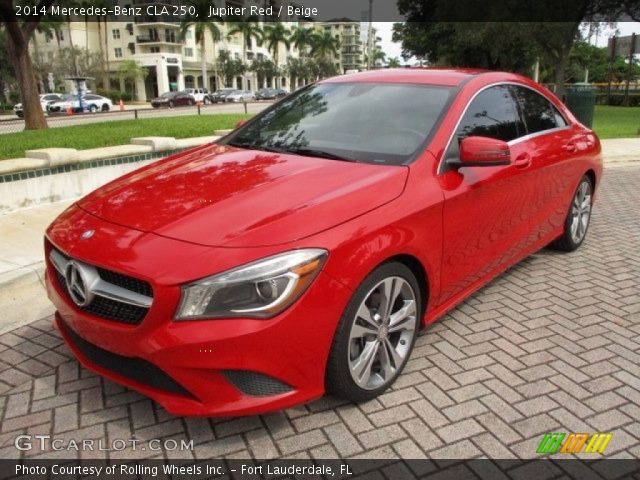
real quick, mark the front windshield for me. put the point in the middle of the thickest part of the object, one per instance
(362, 122)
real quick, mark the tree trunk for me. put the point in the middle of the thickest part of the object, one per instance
(559, 72)
(38, 74)
(25, 76)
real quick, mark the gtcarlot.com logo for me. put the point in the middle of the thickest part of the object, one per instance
(574, 443)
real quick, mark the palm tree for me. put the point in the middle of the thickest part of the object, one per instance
(202, 25)
(274, 35)
(377, 55)
(249, 29)
(324, 45)
(301, 38)
(393, 62)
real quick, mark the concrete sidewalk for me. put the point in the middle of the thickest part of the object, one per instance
(22, 298)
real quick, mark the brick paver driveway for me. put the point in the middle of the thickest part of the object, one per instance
(551, 345)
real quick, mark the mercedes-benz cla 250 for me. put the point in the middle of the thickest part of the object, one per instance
(302, 253)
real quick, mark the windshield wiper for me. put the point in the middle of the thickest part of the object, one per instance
(312, 152)
(250, 146)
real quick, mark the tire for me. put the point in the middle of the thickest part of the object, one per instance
(105, 107)
(578, 218)
(356, 366)
(170, 103)
(93, 109)
(206, 101)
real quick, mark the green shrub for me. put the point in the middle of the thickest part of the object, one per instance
(617, 99)
(115, 95)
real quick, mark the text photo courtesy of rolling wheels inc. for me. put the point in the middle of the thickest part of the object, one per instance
(307, 240)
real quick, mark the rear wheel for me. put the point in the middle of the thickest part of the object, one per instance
(577, 222)
(105, 107)
(376, 334)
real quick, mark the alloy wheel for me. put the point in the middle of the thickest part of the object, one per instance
(382, 332)
(580, 212)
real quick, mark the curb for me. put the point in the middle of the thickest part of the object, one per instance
(23, 298)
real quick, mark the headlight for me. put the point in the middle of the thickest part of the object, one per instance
(260, 289)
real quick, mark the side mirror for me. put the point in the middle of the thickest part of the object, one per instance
(241, 123)
(483, 152)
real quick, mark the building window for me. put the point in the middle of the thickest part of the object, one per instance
(116, 33)
(188, 35)
(155, 49)
(188, 52)
(118, 52)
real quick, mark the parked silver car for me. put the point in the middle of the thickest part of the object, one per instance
(240, 96)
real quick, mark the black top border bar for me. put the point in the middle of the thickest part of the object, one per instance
(136, 11)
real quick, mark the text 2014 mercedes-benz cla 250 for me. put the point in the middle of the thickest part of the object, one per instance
(302, 253)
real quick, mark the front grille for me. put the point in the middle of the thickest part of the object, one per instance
(111, 309)
(130, 283)
(135, 369)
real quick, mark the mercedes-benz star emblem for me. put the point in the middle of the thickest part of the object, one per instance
(87, 234)
(77, 285)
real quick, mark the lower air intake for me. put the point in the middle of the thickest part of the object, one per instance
(256, 384)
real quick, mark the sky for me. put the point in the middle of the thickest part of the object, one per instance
(391, 49)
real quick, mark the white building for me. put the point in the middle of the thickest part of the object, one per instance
(173, 62)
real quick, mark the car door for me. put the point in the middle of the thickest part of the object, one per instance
(485, 215)
(555, 149)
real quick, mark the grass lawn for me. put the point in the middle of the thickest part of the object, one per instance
(616, 122)
(95, 135)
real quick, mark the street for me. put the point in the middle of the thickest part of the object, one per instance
(14, 124)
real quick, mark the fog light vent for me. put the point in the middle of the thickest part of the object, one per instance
(256, 384)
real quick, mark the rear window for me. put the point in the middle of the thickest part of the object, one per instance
(539, 113)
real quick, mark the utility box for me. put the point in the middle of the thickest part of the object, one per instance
(581, 100)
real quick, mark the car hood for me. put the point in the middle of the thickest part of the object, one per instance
(222, 196)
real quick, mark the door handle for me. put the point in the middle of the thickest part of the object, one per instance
(570, 147)
(523, 160)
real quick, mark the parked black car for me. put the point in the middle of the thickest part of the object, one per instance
(172, 99)
(220, 95)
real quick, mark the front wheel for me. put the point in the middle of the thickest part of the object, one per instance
(375, 335)
(577, 222)
(93, 109)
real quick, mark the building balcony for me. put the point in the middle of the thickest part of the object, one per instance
(157, 20)
(159, 39)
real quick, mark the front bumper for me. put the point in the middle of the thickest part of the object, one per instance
(206, 367)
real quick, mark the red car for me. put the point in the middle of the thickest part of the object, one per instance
(303, 252)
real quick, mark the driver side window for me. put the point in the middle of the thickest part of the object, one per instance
(492, 113)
